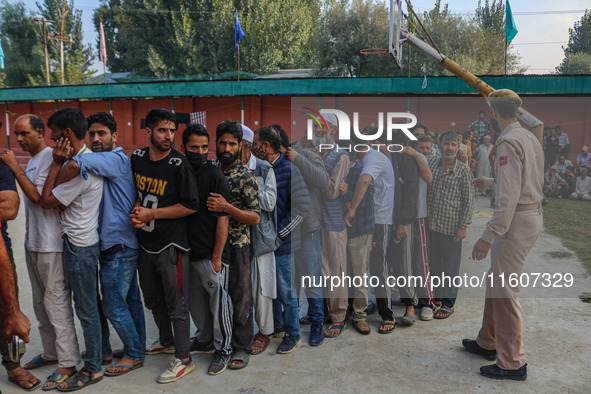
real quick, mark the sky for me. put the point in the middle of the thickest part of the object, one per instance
(543, 26)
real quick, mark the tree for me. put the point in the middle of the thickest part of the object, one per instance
(578, 63)
(77, 57)
(172, 38)
(22, 45)
(491, 16)
(579, 39)
(344, 30)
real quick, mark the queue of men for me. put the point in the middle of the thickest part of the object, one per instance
(219, 242)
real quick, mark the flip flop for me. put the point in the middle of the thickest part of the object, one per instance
(339, 327)
(129, 369)
(384, 324)
(240, 355)
(25, 378)
(57, 378)
(38, 361)
(445, 312)
(407, 320)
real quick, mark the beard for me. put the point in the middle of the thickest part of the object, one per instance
(163, 145)
(324, 140)
(226, 160)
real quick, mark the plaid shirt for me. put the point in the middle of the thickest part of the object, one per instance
(482, 126)
(364, 220)
(450, 198)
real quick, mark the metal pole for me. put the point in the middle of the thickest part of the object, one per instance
(7, 127)
(242, 109)
(536, 124)
(62, 40)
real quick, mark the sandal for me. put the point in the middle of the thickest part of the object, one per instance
(335, 326)
(408, 319)
(444, 312)
(240, 355)
(129, 369)
(80, 380)
(384, 326)
(361, 326)
(38, 361)
(57, 378)
(261, 341)
(25, 378)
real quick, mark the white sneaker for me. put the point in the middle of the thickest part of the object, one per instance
(176, 370)
(158, 348)
(426, 313)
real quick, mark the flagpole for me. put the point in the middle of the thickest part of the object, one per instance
(239, 62)
(506, 56)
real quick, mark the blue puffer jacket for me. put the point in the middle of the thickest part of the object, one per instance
(293, 201)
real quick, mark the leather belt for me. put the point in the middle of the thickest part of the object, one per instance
(527, 207)
(113, 249)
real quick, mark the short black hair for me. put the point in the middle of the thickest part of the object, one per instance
(105, 119)
(270, 135)
(481, 112)
(72, 118)
(194, 129)
(449, 136)
(506, 109)
(419, 125)
(425, 138)
(283, 134)
(571, 168)
(157, 115)
(36, 123)
(231, 127)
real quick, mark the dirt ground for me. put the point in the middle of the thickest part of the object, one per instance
(426, 357)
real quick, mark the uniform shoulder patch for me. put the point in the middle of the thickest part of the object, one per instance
(503, 160)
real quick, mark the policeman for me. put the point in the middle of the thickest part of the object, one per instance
(509, 235)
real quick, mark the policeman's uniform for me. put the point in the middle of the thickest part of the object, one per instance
(513, 230)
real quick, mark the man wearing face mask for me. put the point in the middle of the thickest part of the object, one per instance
(334, 228)
(209, 256)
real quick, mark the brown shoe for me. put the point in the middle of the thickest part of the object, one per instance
(361, 326)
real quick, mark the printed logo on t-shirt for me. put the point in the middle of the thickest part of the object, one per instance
(176, 161)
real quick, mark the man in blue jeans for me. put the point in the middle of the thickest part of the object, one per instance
(79, 227)
(292, 202)
(121, 302)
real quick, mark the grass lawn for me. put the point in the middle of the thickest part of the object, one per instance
(570, 221)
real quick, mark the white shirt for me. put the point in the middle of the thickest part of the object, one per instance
(82, 198)
(422, 199)
(379, 167)
(43, 229)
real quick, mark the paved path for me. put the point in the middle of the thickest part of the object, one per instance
(426, 357)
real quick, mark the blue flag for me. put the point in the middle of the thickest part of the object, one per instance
(238, 33)
(510, 28)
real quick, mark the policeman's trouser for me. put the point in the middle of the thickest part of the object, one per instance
(501, 323)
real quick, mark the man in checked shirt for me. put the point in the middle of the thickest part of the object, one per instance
(450, 201)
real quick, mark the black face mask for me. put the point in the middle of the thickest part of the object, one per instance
(197, 159)
(258, 152)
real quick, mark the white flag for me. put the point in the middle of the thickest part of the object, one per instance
(424, 83)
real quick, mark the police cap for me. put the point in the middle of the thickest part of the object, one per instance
(504, 96)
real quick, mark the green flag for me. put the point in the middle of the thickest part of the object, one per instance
(510, 28)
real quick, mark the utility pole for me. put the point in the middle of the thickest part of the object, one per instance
(61, 40)
(43, 22)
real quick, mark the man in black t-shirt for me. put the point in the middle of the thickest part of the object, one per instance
(210, 256)
(167, 193)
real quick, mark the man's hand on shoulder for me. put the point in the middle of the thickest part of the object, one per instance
(9, 159)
